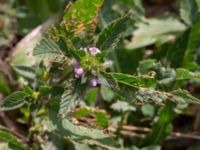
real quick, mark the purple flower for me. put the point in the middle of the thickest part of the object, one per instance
(94, 82)
(94, 51)
(78, 72)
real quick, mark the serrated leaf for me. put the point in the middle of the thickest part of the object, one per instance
(188, 11)
(47, 48)
(122, 106)
(81, 16)
(68, 103)
(182, 74)
(153, 30)
(110, 35)
(135, 81)
(8, 137)
(13, 101)
(70, 98)
(25, 71)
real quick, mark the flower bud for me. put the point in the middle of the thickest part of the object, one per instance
(94, 82)
(94, 51)
(78, 72)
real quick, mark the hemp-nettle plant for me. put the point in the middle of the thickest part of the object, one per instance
(79, 94)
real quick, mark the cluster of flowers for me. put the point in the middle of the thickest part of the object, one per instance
(79, 71)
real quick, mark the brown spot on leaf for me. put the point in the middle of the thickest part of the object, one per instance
(80, 28)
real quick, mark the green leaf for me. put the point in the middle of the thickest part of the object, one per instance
(79, 146)
(135, 5)
(107, 93)
(4, 86)
(158, 97)
(99, 145)
(25, 71)
(101, 119)
(182, 52)
(192, 47)
(70, 98)
(188, 11)
(82, 112)
(110, 35)
(175, 54)
(135, 81)
(198, 4)
(68, 129)
(81, 16)
(7, 137)
(122, 106)
(153, 30)
(151, 147)
(150, 95)
(183, 95)
(108, 80)
(148, 110)
(47, 48)
(164, 76)
(162, 128)
(182, 74)
(13, 101)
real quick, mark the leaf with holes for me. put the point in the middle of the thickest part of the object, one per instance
(67, 128)
(81, 16)
(158, 97)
